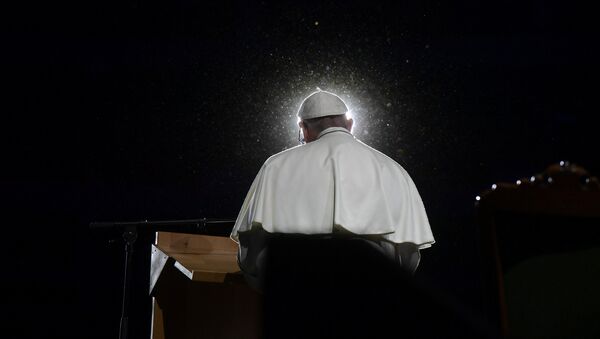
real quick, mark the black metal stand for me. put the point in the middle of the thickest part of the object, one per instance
(130, 234)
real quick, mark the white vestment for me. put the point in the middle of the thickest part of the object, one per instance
(335, 181)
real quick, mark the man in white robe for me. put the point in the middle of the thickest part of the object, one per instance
(331, 185)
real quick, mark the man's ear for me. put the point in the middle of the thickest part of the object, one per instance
(349, 123)
(302, 126)
(304, 130)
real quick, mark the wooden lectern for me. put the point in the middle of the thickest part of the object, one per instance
(198, 290)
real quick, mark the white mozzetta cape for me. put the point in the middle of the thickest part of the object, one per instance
(335, 180)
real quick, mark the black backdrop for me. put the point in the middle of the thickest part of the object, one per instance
(140, 110)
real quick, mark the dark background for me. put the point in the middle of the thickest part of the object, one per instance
(143, 110)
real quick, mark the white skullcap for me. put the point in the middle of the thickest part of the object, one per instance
(320, 104)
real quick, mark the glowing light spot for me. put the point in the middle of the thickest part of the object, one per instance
(494, 186)
(532, 179)
(477, 198)
(316, 23)
(518, 182)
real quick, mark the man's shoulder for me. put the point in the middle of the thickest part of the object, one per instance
(380, 156)
(283, 155)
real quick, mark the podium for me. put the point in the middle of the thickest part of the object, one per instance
(198, 290)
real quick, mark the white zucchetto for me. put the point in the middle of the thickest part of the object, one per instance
(320, 104)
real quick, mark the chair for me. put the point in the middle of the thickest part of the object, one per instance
(540, 246)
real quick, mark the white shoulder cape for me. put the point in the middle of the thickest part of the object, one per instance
(335, 180)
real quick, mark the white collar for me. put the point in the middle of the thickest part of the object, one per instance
(333, 129)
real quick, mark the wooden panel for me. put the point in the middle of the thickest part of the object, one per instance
(158, 328)
(206, 267)
(193, 310)
(199, 257)
(194, 243)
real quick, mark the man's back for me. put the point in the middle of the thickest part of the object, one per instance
(335, 182)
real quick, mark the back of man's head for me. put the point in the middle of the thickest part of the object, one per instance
(322, 110)
(320, 104)
(318, 125)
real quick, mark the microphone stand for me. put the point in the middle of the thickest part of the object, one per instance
(130, 234)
